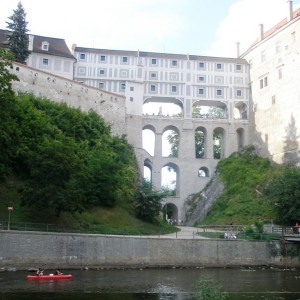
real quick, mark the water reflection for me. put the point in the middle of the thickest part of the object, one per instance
(166, 284)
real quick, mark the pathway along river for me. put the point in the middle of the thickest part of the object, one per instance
(153, 284)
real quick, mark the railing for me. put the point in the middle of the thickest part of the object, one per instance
(239, 232)
(231, 232)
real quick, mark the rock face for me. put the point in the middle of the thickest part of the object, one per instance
(203, 201)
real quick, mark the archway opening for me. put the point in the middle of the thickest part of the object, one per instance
(203, 172)
(169, 179)
(170, 214)
(218, 143)
(148, 136)
(170, 142)
(200, 141)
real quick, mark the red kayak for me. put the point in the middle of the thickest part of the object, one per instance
(49, 277)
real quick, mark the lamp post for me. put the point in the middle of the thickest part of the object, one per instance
(10, 209)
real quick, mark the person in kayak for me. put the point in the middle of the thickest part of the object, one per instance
(58, 272)
(39, 272)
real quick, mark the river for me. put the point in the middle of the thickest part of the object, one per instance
(153, 284)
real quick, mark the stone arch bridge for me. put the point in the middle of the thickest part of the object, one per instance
(192, 173)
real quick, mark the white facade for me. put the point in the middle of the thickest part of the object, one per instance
(275, 76)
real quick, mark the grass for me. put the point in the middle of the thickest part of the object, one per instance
(117, 220)
(243, 200)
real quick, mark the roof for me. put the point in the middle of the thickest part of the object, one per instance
(273, 30)
(157, 55)
(57, 47)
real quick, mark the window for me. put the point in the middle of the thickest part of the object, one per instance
(131, 88)
(45, 46)
(123, 86)
(239, 93)
(102, 72)
(82, 56)
(174, 89)
(153, 75)
(201, 65)
(219, 67)
(201, 78)
(152, 88)
(174, 63)
(101, 85)
(102, 58)
(280, 73)
(131, 99)
(273, 99)
(153, 61)
(124, 59)
(201, 91)
(219, 92)
(45, 62)
(263, 82)
(238, 67)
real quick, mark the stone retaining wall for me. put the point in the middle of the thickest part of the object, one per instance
(23, 250)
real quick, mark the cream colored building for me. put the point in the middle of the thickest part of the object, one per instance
(274, 61)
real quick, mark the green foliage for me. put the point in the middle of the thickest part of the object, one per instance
(243, 201)
(199, 143)
(173, 139)
(209, 289)
(17, 37)
(6, 77)
(148, 202)
(67, 159)
(284, 193)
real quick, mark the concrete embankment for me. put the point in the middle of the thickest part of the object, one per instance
(23, 250)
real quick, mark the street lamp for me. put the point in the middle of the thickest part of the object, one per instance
(10, 209)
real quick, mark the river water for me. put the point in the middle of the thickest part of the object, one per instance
(153, 284)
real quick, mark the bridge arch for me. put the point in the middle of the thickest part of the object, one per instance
(170, 178)
(203, 172)
(170, 211)
(219, 140)
(200, 142)
(170, 141)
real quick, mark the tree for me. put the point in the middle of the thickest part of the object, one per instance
(148, 202)
(173, 139)
(284, 190)
(6, 77)
(17, 37)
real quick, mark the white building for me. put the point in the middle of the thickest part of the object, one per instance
(274, 61)
(47, 54)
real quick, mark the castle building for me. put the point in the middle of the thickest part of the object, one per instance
(47, 54)
(212, 94)
(274, 61)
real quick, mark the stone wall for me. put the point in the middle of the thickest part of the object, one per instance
(75, 94)
(24, 250)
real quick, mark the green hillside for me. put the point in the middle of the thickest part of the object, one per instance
(255, 191)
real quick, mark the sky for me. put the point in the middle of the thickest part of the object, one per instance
(195, 27)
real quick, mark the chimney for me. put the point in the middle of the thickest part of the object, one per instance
(261, 32)
(30, 42)
(238, 49)
(290, 10)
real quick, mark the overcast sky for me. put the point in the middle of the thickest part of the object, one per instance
(199, 27)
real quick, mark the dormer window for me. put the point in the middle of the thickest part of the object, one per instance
(45, 46)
